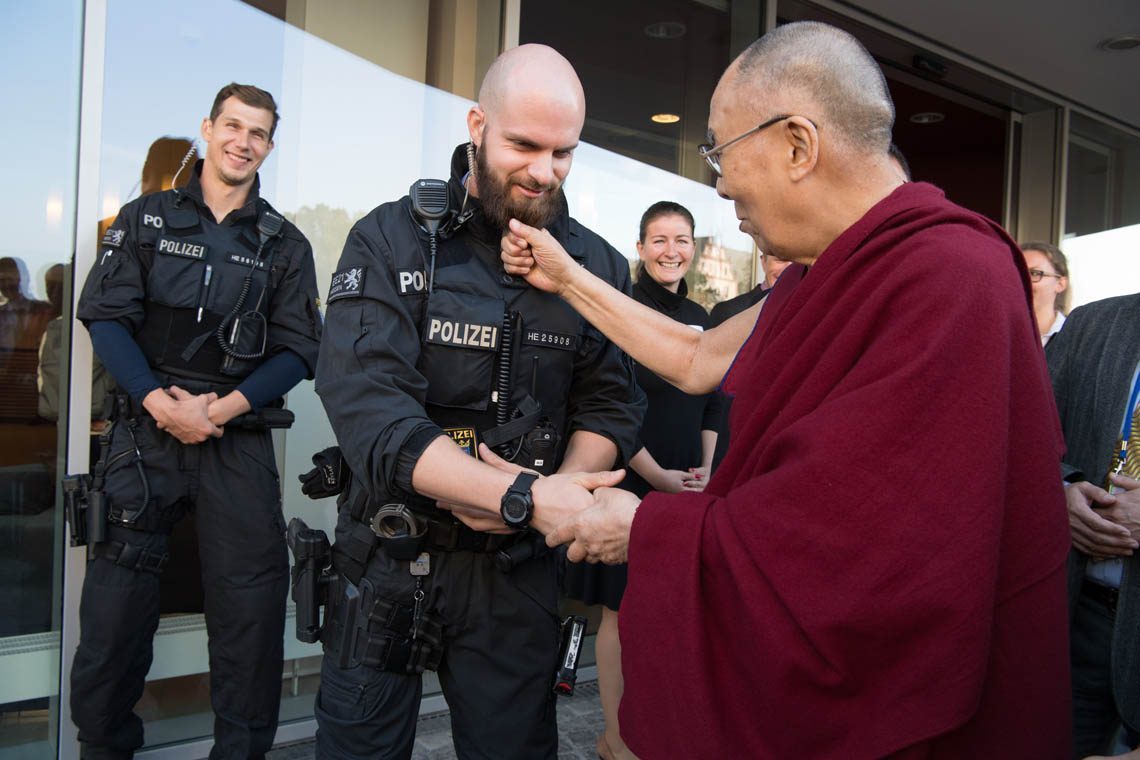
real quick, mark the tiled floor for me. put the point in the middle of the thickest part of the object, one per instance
(579, 723)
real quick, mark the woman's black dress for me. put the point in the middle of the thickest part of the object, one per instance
(671, 432)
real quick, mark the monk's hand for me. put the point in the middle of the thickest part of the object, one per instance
(601, 533)
(1093, 533)
(475, 518)
(559, 497)
(536, 256)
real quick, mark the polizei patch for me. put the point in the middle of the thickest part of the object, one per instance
(464, 438)
(411, 281)
(548, 339)
(186, 249)
(451, 332)
(346, 283)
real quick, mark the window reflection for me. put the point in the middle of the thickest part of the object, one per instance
(35, 273)
(1102, 211)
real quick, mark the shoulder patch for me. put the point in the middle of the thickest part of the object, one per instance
(113, 238)
(346, 283)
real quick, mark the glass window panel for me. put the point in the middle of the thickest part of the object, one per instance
(337, 70)
(647, 59)
(40, 131)
(1102, 211)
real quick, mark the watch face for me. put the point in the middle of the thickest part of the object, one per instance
(515, 508)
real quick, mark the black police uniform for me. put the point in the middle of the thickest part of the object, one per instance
(150, 278)
(397, 366)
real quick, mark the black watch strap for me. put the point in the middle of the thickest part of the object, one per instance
(517, 506)
(523, 482)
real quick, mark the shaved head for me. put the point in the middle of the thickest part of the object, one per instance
(825, 66)
(529, 74)
(525, 129)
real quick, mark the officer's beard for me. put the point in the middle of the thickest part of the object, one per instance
(500, 208)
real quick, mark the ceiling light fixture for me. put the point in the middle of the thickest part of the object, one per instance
(927, 117)
(1120, 42)
(665, 30)
(665, 118)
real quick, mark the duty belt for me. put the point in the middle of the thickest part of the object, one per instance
(266, 418)
(454, 536)
(442, 533)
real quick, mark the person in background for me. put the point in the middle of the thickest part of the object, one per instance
(1049, 276)
(1095, 366)
(678, 436)
(772, 268)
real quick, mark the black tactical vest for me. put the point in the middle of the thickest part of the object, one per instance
(198, 272)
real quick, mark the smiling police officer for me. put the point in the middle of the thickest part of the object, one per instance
(202, 305)
(430, 351)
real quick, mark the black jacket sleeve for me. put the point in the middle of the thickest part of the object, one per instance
(366, 371)
(115, 289)
(294, 322)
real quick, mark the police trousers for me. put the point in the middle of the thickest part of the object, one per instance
(500, 638)
(232, 484)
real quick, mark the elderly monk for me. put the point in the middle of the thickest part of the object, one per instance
(878, 567)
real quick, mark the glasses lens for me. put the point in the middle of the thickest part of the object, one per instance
(1035, 275)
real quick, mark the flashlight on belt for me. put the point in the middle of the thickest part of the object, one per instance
(573, 631)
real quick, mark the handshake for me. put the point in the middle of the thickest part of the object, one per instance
(582, 510)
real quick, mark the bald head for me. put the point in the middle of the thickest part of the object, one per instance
(812, 64)
(531, 74)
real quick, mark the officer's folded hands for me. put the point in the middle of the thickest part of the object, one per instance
(182, 414)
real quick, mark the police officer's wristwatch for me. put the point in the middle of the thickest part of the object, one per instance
(517, 506)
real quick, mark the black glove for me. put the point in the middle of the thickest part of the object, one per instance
(328, 478)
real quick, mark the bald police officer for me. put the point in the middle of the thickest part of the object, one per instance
(432, 352)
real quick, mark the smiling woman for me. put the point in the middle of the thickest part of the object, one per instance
(678, 438)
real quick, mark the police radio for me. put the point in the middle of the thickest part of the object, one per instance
(431, 206)
(573, 633)
(242, 335)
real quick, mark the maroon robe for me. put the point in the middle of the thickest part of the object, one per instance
(878, 566)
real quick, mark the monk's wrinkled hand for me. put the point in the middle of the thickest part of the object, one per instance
(601, 533)
(515, 254)
(1092, 533)
(536, 256)
(476, 519)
